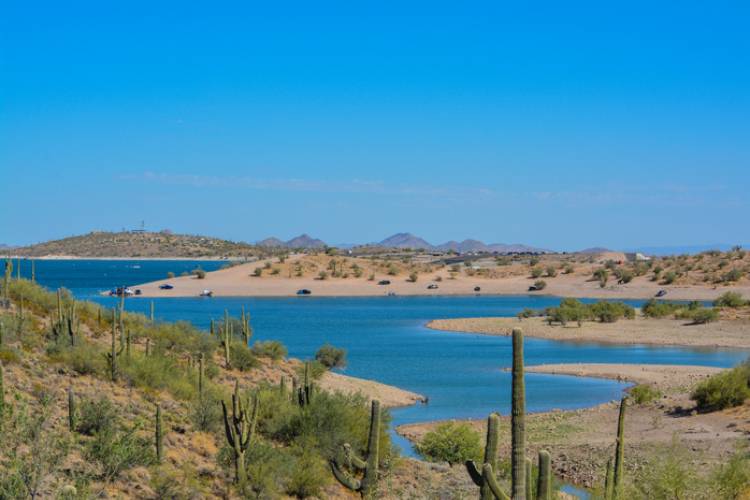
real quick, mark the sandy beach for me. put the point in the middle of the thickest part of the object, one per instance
(238, 281)
(723, 333)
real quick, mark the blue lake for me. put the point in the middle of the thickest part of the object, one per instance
(386, 340)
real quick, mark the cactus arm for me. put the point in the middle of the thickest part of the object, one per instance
(352, 458)
(344, 478)
(370, 479)
(544, 479)
(529, 472)
(609, 480)
(489, 478)
(474, 472)
(227, 426)
(619, 450)
(518, 435)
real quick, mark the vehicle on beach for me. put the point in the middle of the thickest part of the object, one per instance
(384, 282)
(661, 293)
(477, 289)
(207, 293)
(390, 294)
(432, 286)
(304, 291)
(166, 286)
(120, 291)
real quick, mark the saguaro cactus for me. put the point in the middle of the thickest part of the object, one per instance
(227, 338)
(619, 453)
(544, 479)
(367, 486)
(239, 430)
(151, 315)
(490, 457)
(6, 279)
(2, 392)
(33, 271)
(158, 436)
(201, 369)
(518, 420)
(114, 352)
(305, 393)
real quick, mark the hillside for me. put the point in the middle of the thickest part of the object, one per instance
(139, 245)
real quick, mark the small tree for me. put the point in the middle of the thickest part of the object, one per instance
(451, 442)
(331, 357)
(413, 276)
(199, 273)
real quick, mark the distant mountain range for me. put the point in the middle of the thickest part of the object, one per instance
(408, 240)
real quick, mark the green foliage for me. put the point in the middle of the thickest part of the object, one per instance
(257, 272)
(198, 273)
(159, 372)
(540, 285)
(551, 272)
(331, 357)
(242, 357)
(527, 313)
(701, 316)
(272, 349)
(452, 442)
(602, 276)
(610, 312)
(644, 393)
(731, 479)
(96, 415)
(205, 410)
(116, 451)
(537, 272)
(309, 473)
(669, 278)
(731, 300)
(660, 309)
(731, 276)
(723, 390)
(84, 358)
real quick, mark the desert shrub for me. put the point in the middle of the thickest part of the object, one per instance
(115, 452)
(644, 393)
(730, 299)
(8, 355)
(331, 357)
(569, 310)
(540, 285)
(322, 275)
(451, 442)
(309, 473)
(533, 261)
(413, 277)
(660, 309)
(669, 278)
(723, 390)
(158, 372)
(568, 269)
(257, 272)
(624, 276)
(602, 276)
(267, 468)
(537, 272)
(551, 272)
(272, 349)
(667, 477)
(198, 273)
(170, 275)
(527, 313)
(703, 315)
(730, 479)
(730, 276)
(610, 312)
(317, 370)
(84, 358)
(242, 357)
(205, 411)
(96, 415)
(275, 271)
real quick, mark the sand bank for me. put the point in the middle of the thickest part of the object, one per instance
(724, 333)
(237, 281)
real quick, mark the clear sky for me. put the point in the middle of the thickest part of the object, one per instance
(557, 124)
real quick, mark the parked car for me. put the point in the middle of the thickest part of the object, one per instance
(207, 293)
(138, 291)
(432, 286)
(384, 282)
(661, 293)
(166, 286)
(477, 289)
(303, 291)
(121, 290)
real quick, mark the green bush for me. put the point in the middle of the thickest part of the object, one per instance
(527, 313)
(730, 299)
(723, 390)
(659, 309)
(669, 278)
(158, 372)
(309, 474)
(242, 357)
(731, 276)
(96, 415)
(452, 442)
(198, 273)
(272, 349)
(703, 315)
(84, 358)
(331, 357)
(540, 285)
(602, 276)
(644, 393)
(537, 272)
(551, 272)
(116, 452)
(610, 312)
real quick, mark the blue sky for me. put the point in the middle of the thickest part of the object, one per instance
(558, 124)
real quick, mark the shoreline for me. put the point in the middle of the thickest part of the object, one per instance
(723, 334)
(581, 440)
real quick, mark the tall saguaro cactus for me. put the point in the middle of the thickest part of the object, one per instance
(72, 410)
(305, 393)
(158, 435)
(114, 352)
(6, 279)
(618, 470)
(240, 429)
(367, 486)
(247, 330)
(490, 457)
(518, 421)
(544, 479)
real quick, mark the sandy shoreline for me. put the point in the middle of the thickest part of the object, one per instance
(237, 281)
(662, 332)
(581, 441)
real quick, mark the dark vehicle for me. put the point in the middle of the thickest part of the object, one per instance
(433, 286)
(477, 289)
(120, 291)
(138, 291)
(532, 288)
(384, 282)
(303, 291)
(166, 286)
(661, 293)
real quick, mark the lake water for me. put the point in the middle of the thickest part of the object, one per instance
(386, 340)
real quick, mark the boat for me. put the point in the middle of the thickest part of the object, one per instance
(166, 286)
(304, 291)
(207, 293)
